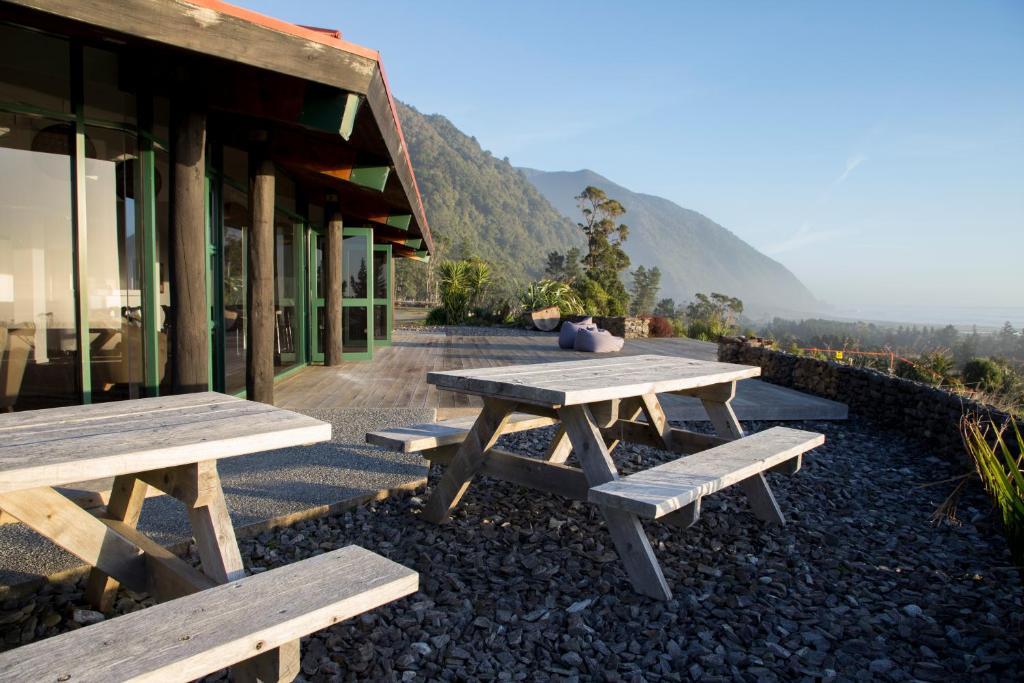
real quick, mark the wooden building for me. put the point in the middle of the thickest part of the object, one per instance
(192, 196)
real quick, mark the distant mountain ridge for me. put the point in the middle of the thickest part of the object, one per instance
(481, 205)
(694, 253)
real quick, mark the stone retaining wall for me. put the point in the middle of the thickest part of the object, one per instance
(918, 409)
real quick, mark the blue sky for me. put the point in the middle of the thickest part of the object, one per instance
(876, 149)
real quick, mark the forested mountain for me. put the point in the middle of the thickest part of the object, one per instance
(694, 253)
(479, 205)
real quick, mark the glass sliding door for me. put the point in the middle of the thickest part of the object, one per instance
(234, 276)
(382, 295)
(356, 273)
(114, 217)
(317, 313)
(38, 328)
(289, 293)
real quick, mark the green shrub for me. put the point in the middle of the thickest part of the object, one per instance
(983, 374)
(436, 316)
(999, 463)
(678, 327)
(461, 285)
(545, 293)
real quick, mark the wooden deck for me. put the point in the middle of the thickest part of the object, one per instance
(396, 377)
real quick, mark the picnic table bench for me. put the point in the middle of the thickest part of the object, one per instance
(212, 618)
(597, 404)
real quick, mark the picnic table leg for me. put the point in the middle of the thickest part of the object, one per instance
(627, 532)
(657, 421)
(127, 495)
(468, 460)
(560, 448)
(199, 487)
(716, 400)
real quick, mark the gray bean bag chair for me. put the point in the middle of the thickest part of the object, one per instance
(567, 337)
(598, 341)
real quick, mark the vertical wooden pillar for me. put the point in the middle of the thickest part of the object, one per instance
(259, 371)
(189, 253)
(332, 297)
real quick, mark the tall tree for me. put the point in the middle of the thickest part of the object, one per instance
(605, 258)
(646, 284)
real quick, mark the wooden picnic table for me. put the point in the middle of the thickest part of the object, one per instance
(171, 443)
(596, 404)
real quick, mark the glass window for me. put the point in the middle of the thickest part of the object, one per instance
(107, 95)
(113, 228)
(353, 324)
(354, 267)
(35, 69)
(163, 244)
(286, 332)
(380, 322)
(380, 274)
(38, 333)
(236, 231)
(236, 165)
(284, 189)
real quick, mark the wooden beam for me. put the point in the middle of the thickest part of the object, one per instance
(189, 250)
(126, 498)
(259, 371)
(468, 459)
(683, 440)
(78, 532)
(333, 293)
(195, 485)
(542, 475)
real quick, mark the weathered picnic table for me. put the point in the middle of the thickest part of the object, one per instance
(173, 443)
(596, 405)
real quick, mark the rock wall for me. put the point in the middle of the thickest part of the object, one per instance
(930, 414)
(627, 328)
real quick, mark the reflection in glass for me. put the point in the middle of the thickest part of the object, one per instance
(236, 229)
(285, 333)
(354, 334)
(114, 272)
(38, 334)
(380, 322)
(354, 267)
(380, 274)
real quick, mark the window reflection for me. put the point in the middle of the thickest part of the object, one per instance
(236, 230)
(38, 334)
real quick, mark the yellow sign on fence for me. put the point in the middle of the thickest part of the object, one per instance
(839, 355)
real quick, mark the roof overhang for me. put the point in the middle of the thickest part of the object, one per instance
(235, 34)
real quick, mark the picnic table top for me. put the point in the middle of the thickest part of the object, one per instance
(58, 446)
(591, 380)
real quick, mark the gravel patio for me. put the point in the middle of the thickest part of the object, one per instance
(859, 585)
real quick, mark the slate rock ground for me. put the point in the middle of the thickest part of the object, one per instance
(859, 585)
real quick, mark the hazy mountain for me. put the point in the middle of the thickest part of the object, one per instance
(694, 253)
(479, 205)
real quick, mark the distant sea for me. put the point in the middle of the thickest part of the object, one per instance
(964, 317)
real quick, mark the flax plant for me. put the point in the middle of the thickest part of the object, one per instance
(999, 461)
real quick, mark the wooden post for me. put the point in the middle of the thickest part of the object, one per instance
(189, 253)
(332, 297)
(259, 370)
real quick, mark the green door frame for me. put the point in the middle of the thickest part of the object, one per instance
(387, 299)
(365, 302)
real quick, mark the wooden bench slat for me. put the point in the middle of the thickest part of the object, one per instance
(193, 636)
(422, 437)
(663, 489)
